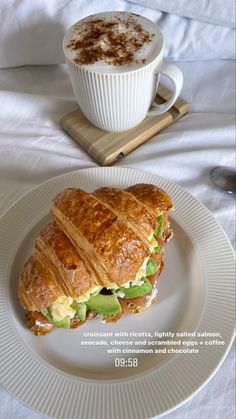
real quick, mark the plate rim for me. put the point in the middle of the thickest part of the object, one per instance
(181, 190)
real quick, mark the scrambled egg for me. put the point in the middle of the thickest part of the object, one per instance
(153, 243)
(137, 280)
(61, 308)
(141, 273)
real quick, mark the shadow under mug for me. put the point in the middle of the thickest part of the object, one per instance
(119, 101)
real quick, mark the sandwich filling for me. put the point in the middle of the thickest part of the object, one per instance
(110, 302)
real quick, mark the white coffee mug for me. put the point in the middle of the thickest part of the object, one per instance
(119, 101)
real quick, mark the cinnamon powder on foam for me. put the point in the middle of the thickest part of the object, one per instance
(102, 40)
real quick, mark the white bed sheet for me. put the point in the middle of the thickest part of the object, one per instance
(33, 148)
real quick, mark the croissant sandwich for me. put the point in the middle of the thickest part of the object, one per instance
(100, 256)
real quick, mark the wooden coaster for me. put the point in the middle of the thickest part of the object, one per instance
(108, 147)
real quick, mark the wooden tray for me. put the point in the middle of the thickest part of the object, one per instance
(108, 147)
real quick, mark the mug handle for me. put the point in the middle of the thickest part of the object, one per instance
(174, 73)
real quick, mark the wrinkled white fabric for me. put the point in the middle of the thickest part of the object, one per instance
(32, 32)
(33, 148)
(217, 12)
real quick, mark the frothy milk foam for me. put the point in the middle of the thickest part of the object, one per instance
(113, 42)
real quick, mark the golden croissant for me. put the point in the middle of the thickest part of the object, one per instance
(100, 256)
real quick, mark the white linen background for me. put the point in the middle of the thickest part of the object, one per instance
(33, 148)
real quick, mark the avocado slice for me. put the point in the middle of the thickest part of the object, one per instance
(104, 304)
(136, 291)
(157, 250)
(159, 230)
(80, 310)
(64, 323)
(151, 267)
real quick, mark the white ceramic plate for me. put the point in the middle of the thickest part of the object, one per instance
(57, 376)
